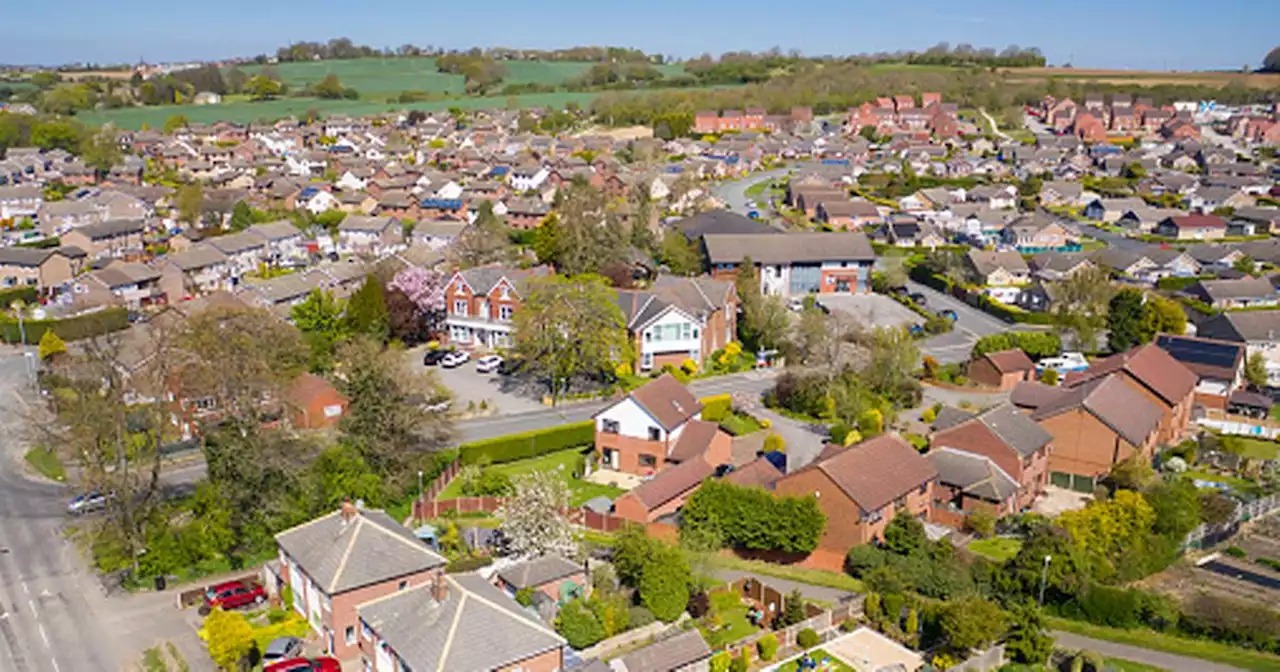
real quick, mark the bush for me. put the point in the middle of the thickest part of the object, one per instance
(524, 597)
(807, 639)
(754, 518)
(664, 582)
(1235, 552)
(715, 408)
(75, 328)
(774, 444)
(767, 646)
(578, 625)
(739, 663)
(471, 564)
(639, 617)
(721, 661)
(25, 294)
(524, 445)
(1037, 344)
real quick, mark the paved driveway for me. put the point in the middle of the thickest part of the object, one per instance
(1160, 659)
(470, 386)
(876, 310)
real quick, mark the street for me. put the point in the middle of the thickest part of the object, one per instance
(54, 613)
(734, 193)
(955, 346)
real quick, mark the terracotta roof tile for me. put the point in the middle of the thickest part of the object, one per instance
(669, 402)
(877, 471)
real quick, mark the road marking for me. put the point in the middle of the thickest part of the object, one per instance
(32, 604)
(25, 589)
(54, 661)
(43, 636)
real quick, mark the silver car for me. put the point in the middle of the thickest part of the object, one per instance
(282, 648)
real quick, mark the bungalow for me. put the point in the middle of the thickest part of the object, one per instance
(998, 269)
(845, 214)
(312, 402)
(1016, 444)
(1245, 292)
(862, 487)
(1258, 330)
(996, 197)
(796, 264)
(1192, 227)
(1218, 365)
(1058, 265)
(1110, 210)
(1144, 219)
(915, 234)
(1002, 370)
(685, 652)
(1062, 193)
(338, 562)
(658, 424)
(551, 575)
(1036, 233)
(46, 270)
(679, 319)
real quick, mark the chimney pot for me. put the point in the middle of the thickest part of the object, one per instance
(440, 589)
(349, 510)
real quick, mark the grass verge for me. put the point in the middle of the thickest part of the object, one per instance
(1158, 641)
(733, 620)
(47, 463)
(813, 577)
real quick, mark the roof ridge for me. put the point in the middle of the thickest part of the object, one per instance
(346, 555)
(486, 601)
(453, 627)
(307, 523)
(392, 533)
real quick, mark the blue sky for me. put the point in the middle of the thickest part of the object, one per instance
(1174, 34)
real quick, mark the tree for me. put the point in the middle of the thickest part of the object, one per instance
(230, 638)
(1255, 370)
(484, 242)
(386, 419)
(588, 234)
(679, 254)
(664, 582)
(367, 310)
(1126, 321)
(262, 88)
(533, 521)
(423, 291)
(319, 318)
(1271, 62)
(241, 216)
(1177, 507)
(1246, 265)
(329, 87)
(101, 151)
(1165, 316)
(1132, 474)
(753, 518)
(982, 522)
(577, 624)
(905, 535)
(190, 203)
(64, 134)
(971, 623)
(340, 474)
(1081, 304)
(1027, 642)
(51, 345)
(792, 610)
(568, 328)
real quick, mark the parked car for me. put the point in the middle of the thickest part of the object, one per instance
(900, 290)
(949, 314)
(455, 359)
(510, 366)
(433, 357)
(918, 298)
(305, 665)
(234, 595)
(488, 363)
(89, 502)
(281, 649)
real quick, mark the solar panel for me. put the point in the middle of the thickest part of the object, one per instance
(1200, 352)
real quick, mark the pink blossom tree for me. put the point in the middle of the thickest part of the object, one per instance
(425, 288)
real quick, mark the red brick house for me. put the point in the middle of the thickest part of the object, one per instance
(481, 302)
(678, 319)
(1002, 370)
(314, 403)
(1157, 376)
(550, 575)
(665, 493)
(862, 487)
(1011, 440)
(967, 483)
(340, 561)
(657, 425)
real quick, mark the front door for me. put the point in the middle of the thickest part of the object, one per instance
(842, 286)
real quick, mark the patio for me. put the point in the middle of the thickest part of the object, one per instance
(616, 479)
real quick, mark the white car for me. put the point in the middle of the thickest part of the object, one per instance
(488, 363)
(455, 359)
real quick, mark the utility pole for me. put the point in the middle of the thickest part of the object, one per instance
(27, 359)
(1044, 576)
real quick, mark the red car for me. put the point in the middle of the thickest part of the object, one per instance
(305, 665)
(234, 595)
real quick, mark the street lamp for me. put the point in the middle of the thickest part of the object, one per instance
(27, 359)
(1044, 576)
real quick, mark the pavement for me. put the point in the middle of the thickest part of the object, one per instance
(55, 614)
(1116, 240)
(972, 324)
(1160, 659)
(821, 593)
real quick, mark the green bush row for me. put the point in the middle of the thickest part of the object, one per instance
(716, 407)
(69, 329)
(1175, 284)
(25, 294)
(524, 445)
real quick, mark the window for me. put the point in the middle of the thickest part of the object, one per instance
(505, 313)
(610, 426)
(460, 307)
(648, 335)
(646, 361)
(655, 434)
(351, 635)
(648, 460)
(505, 293)
(685, 330)
(695, 332)
(460, 334)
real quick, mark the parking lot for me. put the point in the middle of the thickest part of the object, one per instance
(471, 388)
(873, 310)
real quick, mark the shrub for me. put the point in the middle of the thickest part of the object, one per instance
(699, 604)
(639, 617)
(24, 293)
(807, 639)
(664, 582)
(739, 663)
(524, 445)
(1235, 552)
(689, 366)
(578, 625)
(286, 597)
(774, 444)
(1270, 563)
(754, 518)
(721, 661)
(1049, 377)
(929, 415)
(767, 646)
(524, 597)
(715, 408)
(69, 329)
(471, 564)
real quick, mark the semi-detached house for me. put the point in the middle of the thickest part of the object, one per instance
(796, 264)
(679, 319)
(336, 563)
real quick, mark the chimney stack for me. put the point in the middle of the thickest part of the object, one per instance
(439, 588)
(349, 511)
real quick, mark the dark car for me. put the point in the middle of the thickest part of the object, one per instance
(234, 595)
(949, 314)
(510, 366)
(433, 357)
(305, 665)
(898, 291)
(918, 298)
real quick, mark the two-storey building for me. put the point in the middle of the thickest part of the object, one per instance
(658, 424)
(481, 302)
(796, 264)
(679, 318)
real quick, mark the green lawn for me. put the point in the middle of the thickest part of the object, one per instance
(999, 549)
(563, 462)
(826, 663)
(733, 620)
(1122, 665)
(757, 190)
(1257, 448)
(739, 424)
(1158, 641)
(1241, 485)
(813, 577)
(47, 463)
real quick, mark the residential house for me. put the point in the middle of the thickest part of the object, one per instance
(685, 652)
(1002, 370)
(316, 200)
(998, 269)
(551, 575)
(1110, 210)
(996, 197)
(311, 402)
(1063, 193)
(1157, 376)
(914, 233)
(120, 283)
(528, 177)
(862, 487)
(1218, 365)
(245, 251)
(1016, 444)
(114, 239)
(350, 557)
(481, 302)
(1144, 219)
(437, 234)
(846, 214)
(1192, 227)
(202, 269)
(1246, 292)
(678, 319)
(662, 495)
(45, 269)
(1055, 266)
(284, 241)
(1258, 330)
(968, 483)
(721, 222)
(20, 201)
(659, 423)
(358, 234)
(1215, 257)
(1030, 234)
(796, 264)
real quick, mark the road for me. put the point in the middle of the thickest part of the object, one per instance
(1115, 240)
(55, 615)
(994, 126)
(1160, 659)
(955, 346)
(734, 193)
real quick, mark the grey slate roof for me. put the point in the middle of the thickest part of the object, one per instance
(672, 654)
(539, 571)
(365, 224)
(273, 231)
(236, 243)
(341, 555)
(949, 416)
(1252, 326)
(1015, 429)
(772, 248)
(1244, 288)
(974, 474)
(23, 256)
(721, 222)
(197, 257)
(475, 627)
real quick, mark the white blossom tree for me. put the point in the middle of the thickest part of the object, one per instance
(534, 521)
(425, 288)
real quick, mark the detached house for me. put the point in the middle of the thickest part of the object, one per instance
(345, 559)
(1218, 365)
(1193, 227)
(1011, 440)
(1157, 376)
(481, 302)
(796, 264)
(679, 318)
(1258, 330)
(358, 234)
(998, 269)
(657, 425)
(1245, 292)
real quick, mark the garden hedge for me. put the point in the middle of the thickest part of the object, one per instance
(70, 329)
(524, 445)
(25, 294)
(716, 407)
